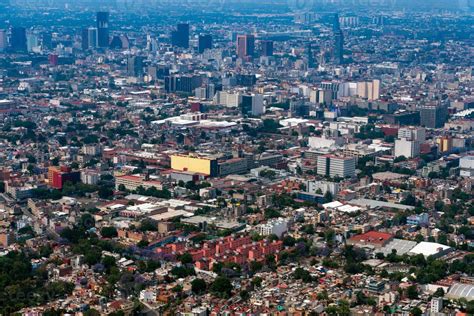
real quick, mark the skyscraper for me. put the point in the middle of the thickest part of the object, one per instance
(103, 29)
(338, 41)
(309, 51)
(245, 46)
(433, 116)
(204, 42)
(180, 37)
(135, 66)
(3, 40)
(85, 39)
(90, 36)
(18, 39)
(47, 40)
(267, 48)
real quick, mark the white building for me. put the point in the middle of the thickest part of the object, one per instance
(324, 186)
(325, 142)
(412, 133)
(277, 226)
(436, 305)
(228, 99)
(334, 166)
(466, 164)
(407, 148)
(90, 177)
(257, 105)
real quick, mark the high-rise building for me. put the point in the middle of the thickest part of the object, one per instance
(85, 39)
(58, 176)
(334, 166)
(47, 40)
(3, 40)
(92, 37)
(310, 53)
(436, 305)
(267, 48)
(433, 116)
(180, 37)
(245, 46)
(445, 144)
(412, 133)
(135, 66)
(407, 148)
(32, 41)
(18, 39)
(103, 29)
(204, 42)
(252, 104)
(182, 83)
(338, 41)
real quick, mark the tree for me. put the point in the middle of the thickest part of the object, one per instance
(412, 292)
(416, 311)
(108, 232)
(186, 258)
(439, 292)
(221, 287)
(328, 197)
(105, 192)
(198, 286)
(244, 295)
(257, 282)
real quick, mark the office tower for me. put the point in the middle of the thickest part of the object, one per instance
(338, 41)
(407, 148)
(116, 42)
(58, 176)
(135, 66)
(204, 42)
(182, 83)
(252, 104)
(376, 89)
(18, 39)
(334, 166)
(103, 29)
(180, 37)
(32, 41)
(92, 37)
(245, 46)
(412, 133)
(378, 20)
(3, 40)
(47, 40)
(309, 52)
(53, 59)
(267, 48)
(85, 39)
(433, 116)
(445, 144)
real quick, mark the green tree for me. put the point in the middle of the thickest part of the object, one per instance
(221, 287)
(108, 232)
(198, 286)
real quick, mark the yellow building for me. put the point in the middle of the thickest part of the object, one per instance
(445, 144)
(204, 165)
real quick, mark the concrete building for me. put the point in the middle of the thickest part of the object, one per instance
(412, 133)
(233, 166)
(407, 148)
(466, 164)
(334, 166)
(277, 226)
(322, 187)
(433, 116)
(436, 305)
(204, 165)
